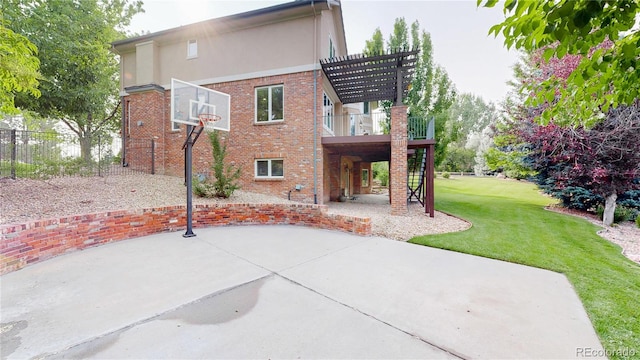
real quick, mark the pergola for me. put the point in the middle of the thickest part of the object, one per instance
(360, 78)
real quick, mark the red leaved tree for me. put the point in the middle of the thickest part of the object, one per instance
(604, 159)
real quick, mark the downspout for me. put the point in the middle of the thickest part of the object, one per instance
(129, 118)
(315, 106)
(164, 131)
(123, 131)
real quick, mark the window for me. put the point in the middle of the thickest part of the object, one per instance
(332, 49)
(327, 111)
(270, 103)
(365, 178)
(175, 126)
(366, 108)
(192, 49)
(270, 168)
(352, 125)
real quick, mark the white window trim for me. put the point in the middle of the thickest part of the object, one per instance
(269, 176)
(362, 178)
(175, 126)
(189, 55)
(324, 114)
(255, 109)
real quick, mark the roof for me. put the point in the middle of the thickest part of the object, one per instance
(246, 19)
(360, 78)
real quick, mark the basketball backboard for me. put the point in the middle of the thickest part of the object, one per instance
(189, 101)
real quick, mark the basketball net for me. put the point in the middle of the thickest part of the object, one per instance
(208, 121)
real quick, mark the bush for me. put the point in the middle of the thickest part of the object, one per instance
(203, 189)
(630, 199)
(458, 160)
(621, 214)
(225, 176)
(638, 221)
(446, 175)
(575, 197)
(21, 169)
(381, 173)
(48, 168)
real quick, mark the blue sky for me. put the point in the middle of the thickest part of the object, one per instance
(476, 62)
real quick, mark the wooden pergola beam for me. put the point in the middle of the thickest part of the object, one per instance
(359, 78)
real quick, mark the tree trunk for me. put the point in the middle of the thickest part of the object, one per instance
(85, 149)
(609, 209)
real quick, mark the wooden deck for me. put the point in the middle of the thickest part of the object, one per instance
(369, 148)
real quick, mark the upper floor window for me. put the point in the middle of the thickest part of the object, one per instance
(332, 48)
(192, 49)
(327, 111)
(270, 103)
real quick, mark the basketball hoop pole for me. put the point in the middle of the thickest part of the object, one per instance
(193, 133)
(188, 154)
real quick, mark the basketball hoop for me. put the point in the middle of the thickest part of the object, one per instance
(208, 121)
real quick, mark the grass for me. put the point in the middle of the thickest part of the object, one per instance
(510, 223)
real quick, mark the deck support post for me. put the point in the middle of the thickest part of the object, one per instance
(429, 199)
(398, 165)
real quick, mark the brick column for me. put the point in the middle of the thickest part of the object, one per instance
(398, 164)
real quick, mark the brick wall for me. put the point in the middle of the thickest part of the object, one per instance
(290, 140)
(23, 244)
(358, 167)
(357, 177)
(366, 189)
(332, 182)
(145, 116)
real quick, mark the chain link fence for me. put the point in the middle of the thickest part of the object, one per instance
(43, 155)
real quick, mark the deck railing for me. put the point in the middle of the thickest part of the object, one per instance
(354, 124)
(418, 128)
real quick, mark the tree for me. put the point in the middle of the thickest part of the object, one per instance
(603, 159)
(375, 46)
(507, 152)
(602, 33)
(579, 164)
(480, 143)
(458, 159)
(432, 92)
(399, 38)
(18, 68)
(470, 114)
(80, 73)
(469, 122)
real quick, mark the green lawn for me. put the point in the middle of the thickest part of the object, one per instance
(510, 223)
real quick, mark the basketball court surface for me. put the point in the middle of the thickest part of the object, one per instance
(287, 292)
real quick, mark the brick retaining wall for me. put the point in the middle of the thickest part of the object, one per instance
(34, 241)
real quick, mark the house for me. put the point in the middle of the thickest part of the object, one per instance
(302, 123)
